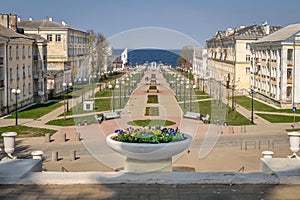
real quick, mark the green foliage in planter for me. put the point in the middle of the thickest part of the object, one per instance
(148, 135)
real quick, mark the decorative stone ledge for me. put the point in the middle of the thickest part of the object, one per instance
(286, 169)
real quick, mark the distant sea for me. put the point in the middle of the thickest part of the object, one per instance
(141, 56)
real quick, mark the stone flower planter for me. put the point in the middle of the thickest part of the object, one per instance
(146, 157)
(9, 143)
(294, 143)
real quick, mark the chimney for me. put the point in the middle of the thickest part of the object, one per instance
(229, 31)
(266, 27)
(30, 18)
(242, 27)
(63, 23)
(50, 19)
(19, 19)
(9, 21)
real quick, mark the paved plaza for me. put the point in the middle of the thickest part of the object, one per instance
(237, 149)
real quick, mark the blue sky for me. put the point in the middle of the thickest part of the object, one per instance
(195, 18)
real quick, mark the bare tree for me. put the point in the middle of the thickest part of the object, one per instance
(100, 53)
(186, 57)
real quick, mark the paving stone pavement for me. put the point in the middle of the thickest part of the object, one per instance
(151, 192)
(148, 191)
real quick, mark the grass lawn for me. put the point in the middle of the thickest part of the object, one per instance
(152, 99)
(104, 93)
(100, 105)
(71, 121)
(149, 122)
(232, 117)
(258, 106)
(24, 131)
(200, 92)
(36, 111)
(279, 118)
(202, 97)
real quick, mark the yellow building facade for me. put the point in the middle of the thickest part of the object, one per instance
(229, 55)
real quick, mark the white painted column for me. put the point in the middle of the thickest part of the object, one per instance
(278, 77)
(284, 74)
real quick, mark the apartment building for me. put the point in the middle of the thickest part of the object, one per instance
(15, 69)
(22, 60)
(67, 48)
(39, 68)
(229, 54)
(275, 71)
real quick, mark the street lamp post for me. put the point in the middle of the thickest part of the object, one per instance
(185, 86)
(118, 83)
(181, 83)
(16, 92)
(124, 83)
(67, 86)
(110, 87)
(191, 88)
(80, 80)
(252, 92)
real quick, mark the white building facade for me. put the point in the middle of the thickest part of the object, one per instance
(199, 66)
(275, 71)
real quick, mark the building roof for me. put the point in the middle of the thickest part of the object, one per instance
(8, 33)
(282, 34)
(38, 38)
(253, 31)
(34, 24)
(45, 25)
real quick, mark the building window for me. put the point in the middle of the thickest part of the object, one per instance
(17, 71)
(10, 52)
(49, 37)
(10, 74)
(248, 57)
(57, 38)
(29, 88)
(29, 73)
(29, 53)
(17, 51)
(23, 71)
(248, 46)
(23, 51)
(290, 54)
(11, 95)
(247, 70)
(24, 89)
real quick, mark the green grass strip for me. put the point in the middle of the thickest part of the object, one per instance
(149, 122)
(36, 111)
(25, 131)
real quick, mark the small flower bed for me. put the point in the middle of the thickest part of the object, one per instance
(148, 135)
